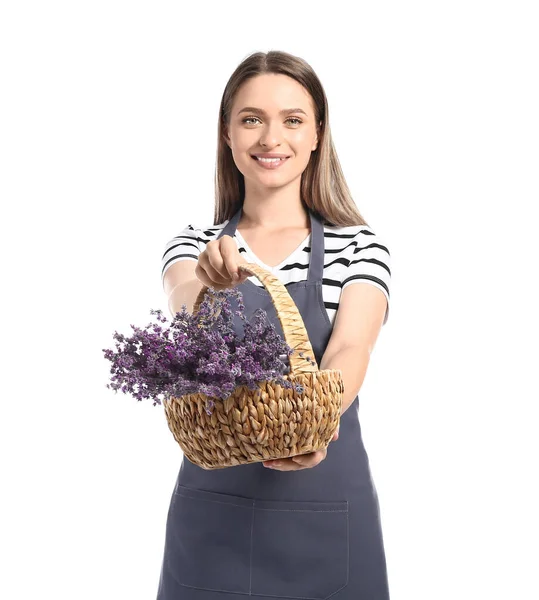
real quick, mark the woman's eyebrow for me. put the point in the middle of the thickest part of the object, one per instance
(285, 111)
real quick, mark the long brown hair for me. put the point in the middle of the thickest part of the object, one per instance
(323, 186)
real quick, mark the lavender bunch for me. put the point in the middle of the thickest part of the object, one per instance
(200, 353)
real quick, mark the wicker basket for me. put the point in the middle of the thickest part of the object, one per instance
(270, 422)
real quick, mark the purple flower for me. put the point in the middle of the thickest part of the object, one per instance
(200, 353)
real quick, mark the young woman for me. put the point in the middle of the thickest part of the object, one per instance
(307, 526)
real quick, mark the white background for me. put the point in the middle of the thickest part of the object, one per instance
(108, 141)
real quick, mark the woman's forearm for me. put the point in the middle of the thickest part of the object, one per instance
(353, 363)
(184, 293)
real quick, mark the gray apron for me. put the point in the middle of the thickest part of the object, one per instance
(252, 531)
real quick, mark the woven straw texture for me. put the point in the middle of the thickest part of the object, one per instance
(270, 422)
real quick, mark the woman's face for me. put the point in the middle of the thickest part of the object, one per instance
(268, 130)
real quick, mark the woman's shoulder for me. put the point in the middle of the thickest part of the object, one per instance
(343, 237)
(201, 232)
(188, 242)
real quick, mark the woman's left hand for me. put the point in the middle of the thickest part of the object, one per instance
(302, 461)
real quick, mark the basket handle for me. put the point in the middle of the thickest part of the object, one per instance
(292, 323)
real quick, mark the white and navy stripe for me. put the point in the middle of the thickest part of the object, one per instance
(353, 254)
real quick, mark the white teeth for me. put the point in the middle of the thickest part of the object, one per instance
(269, 159)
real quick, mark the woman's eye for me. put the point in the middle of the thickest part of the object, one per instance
(256, 118)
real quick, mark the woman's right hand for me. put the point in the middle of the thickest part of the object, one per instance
(218, 263)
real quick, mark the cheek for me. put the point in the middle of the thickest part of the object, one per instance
(302, 142)
(245, 136)
(241, 150)
(300, 136)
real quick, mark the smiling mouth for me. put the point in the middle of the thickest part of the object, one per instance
(270, 164)
(270, 160)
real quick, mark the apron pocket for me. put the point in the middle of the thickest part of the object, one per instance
(300, 549)
(209, 540)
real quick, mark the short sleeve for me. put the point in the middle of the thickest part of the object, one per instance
(368, 260)
(184, 246)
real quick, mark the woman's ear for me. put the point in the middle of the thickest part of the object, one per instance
(226, 136)
(319, 128)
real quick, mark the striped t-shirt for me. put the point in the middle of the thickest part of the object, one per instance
(353, 254)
